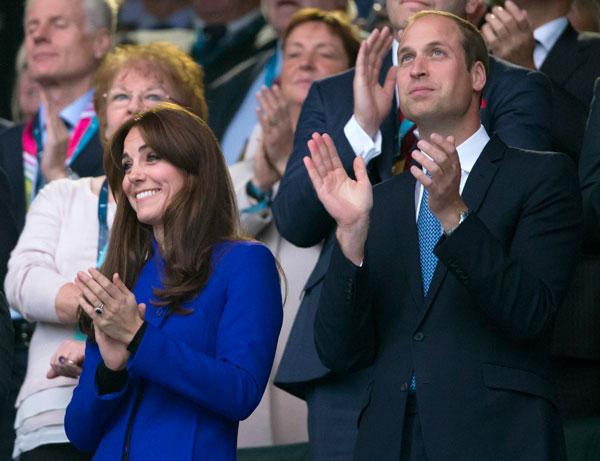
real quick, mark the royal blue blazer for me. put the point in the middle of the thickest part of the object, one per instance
(193, 377)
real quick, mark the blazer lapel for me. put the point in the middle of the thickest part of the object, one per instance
(479, 180)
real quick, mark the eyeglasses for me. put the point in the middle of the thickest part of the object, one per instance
(121, 98)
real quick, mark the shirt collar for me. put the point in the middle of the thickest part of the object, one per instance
(547, 34)
(470, 149)
(71, 113)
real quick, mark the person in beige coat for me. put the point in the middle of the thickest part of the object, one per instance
(316, 44)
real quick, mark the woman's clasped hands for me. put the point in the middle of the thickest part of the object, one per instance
(116, 314)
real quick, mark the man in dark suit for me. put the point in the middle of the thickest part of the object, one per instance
(536, 34)
(63, 62)
(449, 284)
(516, 106)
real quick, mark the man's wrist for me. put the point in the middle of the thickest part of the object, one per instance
(452, 224)
(367, 127)
(352, 241)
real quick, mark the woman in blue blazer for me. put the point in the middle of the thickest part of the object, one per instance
(172, 365)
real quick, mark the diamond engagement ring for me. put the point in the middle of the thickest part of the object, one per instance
(99, 309)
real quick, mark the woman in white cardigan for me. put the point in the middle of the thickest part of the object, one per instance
(66, 231)
(316, 44)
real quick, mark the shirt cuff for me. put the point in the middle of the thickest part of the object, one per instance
(137, 339)
(361, 143)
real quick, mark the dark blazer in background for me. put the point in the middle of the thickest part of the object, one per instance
(88, 163)
(576, 344)
(242, 46)
(8, 226)
(8, 239)
(589, 175)
(572, 65)
(478, 343)
(226, 94)
(517, 108)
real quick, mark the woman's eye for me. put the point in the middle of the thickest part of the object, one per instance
(152, 157)
(126, 166)
(154, 97)
(328, 55)
(437, 52)
(119, 97)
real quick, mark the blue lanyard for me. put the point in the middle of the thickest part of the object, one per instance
(271, 70)
(102, 224)
(102, 240)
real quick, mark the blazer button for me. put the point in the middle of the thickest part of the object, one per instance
(404, 387)
(419, 336)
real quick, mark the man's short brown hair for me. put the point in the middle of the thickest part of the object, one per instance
(472, 40)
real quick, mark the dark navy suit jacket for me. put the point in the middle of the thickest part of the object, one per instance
(479, 342)
(573, 64)
(517, 108)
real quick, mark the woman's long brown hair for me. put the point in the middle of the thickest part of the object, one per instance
(201, 214)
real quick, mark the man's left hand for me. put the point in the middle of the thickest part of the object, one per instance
(439, 157)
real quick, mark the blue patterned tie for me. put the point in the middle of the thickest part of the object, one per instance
(430, 230)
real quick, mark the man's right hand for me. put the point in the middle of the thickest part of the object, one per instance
(56, 144)
(348, 201)
(372, 101)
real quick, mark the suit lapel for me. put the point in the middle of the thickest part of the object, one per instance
(405, 232)
(565, 57)
(479, 180)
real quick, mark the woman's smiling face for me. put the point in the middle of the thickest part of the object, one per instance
(149, 182)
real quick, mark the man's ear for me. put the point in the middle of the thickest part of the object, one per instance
(102, 43)
(478, 76)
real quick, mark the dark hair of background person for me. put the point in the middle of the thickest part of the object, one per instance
(472, 40)
(161, 59)
(202, 214)
(336, 21)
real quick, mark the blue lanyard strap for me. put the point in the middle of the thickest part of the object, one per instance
(102, 224)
